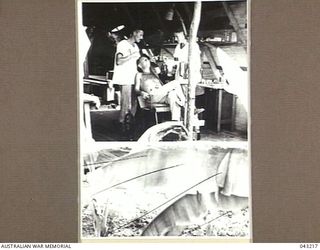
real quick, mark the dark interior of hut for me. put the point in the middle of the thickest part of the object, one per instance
(223, 24)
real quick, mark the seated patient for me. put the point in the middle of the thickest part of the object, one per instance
(150, 87)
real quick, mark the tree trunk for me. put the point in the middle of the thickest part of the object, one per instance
(192, 68)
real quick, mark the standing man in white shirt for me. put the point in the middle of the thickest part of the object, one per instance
(125, 69)
(181, 57)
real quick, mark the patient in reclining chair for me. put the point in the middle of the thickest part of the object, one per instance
(149, 86)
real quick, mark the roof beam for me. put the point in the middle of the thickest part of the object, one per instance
(234, 23)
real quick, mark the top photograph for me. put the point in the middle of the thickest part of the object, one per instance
(163, 71)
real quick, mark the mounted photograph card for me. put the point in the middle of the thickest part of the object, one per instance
(164, 109)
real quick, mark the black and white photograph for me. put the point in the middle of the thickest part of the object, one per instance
(167, 189)
(164, 109)
(135, 73)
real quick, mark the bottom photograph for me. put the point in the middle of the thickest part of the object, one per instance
(181, 189)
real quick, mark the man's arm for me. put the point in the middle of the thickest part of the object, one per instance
(121, 59)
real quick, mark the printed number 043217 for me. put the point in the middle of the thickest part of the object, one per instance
(309, 245)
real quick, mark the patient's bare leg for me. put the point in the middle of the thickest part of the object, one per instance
(175, 86)
(175, 108)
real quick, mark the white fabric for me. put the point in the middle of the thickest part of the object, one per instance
(182, 55)
(237, 79)
(124, 74)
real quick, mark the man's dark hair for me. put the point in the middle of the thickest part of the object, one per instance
(130, 30)
(138, 61)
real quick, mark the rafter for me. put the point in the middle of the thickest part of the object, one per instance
(234, 23)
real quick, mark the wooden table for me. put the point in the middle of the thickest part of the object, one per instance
(101, 81)
(220, 88)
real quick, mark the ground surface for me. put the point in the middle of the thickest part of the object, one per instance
(105, 127)
(230, 224)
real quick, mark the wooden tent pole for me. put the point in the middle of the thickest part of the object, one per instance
(182, 22)
(192, 67)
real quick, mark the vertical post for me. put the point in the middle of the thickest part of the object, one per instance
(87, 121)
(182, 23)
(234, 112)
(219, 113)
(192, 67)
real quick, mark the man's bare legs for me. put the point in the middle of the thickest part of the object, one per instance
(175, 107)
(175, 87)
(172, 94)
